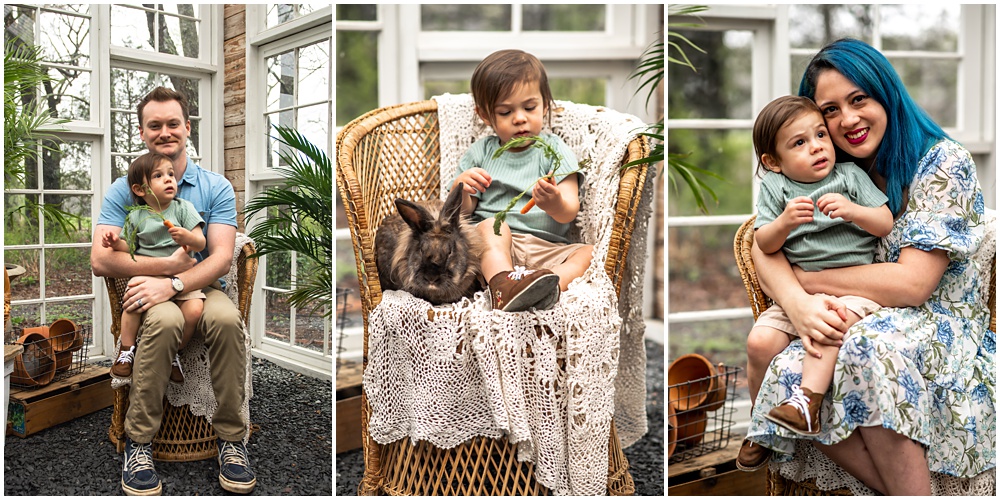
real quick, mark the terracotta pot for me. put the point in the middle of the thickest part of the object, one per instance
(65, 336)
(691, 427)
(671, 430)
(693, 382)
(64, 360)
(41, 330)
(36, 366)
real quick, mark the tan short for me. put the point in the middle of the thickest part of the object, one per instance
(533, 252)
(776, 318)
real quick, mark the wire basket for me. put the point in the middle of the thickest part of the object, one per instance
(50, 353)
(701, 414)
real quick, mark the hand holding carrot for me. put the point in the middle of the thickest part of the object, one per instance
(531, 203)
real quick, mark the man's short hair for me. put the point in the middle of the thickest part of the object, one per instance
(163, 94)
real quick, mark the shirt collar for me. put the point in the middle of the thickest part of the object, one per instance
(190, 173)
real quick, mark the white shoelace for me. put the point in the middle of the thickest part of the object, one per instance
(519, 273)
(126, 356)
(140, 459)
(231, 454)
(177, 362)
(800, 402)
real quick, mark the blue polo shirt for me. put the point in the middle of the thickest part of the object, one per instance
(211, 194)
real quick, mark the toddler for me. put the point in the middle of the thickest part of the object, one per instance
(823, 215)
(151, 178)
(531, 260)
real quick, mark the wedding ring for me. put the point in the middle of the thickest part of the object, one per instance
(139, 302)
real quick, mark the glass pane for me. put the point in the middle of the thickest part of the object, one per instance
(278, 312)
(933, 83)
(67, 273)
(357, 74)
(194, 139)
(282, 13)
(69, 168)
(798, 70)
(920, 27)
(703, 273)
(284, 119)
(721, 341)
(179, 35)
(70, 95)
(465, 17)
(25, 315)
(281, 81)
(314, 72)
(20, 224)
(128, 87)
(76, 229)
(120, 165)
(728, 153)
(65, 39)
(131, 28)
(357, 12)
(813, 26)
(579, 90)
(24, 287)
(19, 22)
(125, 133)
(563, 17)
(80, 311)
(438, 87)
(721, 87)
(70, 7)
(314, 124)
(310, 329)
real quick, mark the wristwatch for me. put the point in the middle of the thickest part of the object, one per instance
(177, 284)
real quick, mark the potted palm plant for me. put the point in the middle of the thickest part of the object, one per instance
(298, 217)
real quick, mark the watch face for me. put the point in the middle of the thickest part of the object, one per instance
(178, 285)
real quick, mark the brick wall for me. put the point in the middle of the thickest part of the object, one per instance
(234, 101)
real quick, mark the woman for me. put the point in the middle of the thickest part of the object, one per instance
(919, 372)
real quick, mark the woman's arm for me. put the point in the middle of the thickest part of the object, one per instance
(908, 282)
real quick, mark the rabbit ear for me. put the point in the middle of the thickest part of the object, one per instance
(414, 215)
(452, 209)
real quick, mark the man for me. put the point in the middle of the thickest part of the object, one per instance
(164, 127)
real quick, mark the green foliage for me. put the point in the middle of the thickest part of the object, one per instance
(302, 221)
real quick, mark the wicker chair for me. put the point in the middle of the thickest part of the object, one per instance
(777, 485)
(402, 142)
(183, 436)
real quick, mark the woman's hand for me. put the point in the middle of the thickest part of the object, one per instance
(144, 292)
(819, 319)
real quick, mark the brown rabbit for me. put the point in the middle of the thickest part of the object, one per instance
(429, 249)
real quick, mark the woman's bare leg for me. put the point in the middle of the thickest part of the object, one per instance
(901, 461)
(853, 456)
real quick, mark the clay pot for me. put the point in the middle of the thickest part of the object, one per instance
(41, 330)
(671, 430)
(36, 365)
(695, 383)
(64, 360)
(65, 336)
(691, 427)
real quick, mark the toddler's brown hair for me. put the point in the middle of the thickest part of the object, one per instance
(141, 169)
(501, 72)
(770, 120)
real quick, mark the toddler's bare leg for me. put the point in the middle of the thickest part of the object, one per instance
(496, 257)
(574, 267)
(130, 328)
(763, 344)
(817, 373)
(191, 309)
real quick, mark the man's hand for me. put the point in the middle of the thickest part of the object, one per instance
(144, 292)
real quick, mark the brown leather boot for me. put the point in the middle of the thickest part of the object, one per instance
(521, 289)
(752, 456)
(123, 363)
(176, 374)
(799, 413)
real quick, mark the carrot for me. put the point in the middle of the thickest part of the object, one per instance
(531, 203)
(170, 225)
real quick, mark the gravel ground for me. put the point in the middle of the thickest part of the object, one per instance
(645, 456)
(290, 453)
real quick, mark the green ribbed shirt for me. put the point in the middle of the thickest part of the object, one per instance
(825, 242)
(153, 238)
(511, 174)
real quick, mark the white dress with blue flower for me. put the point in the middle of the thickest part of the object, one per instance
(926, 372)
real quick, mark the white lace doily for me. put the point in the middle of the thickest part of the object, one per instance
(196, 390)
(543, 378)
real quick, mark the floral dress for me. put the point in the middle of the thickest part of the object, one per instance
(926, 372)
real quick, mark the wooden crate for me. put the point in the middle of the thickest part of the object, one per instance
(715, 474)
(36, 409)
(349, 376)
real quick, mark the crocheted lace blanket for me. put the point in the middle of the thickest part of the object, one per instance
(810, 463)
(551, 381)
(196, 390)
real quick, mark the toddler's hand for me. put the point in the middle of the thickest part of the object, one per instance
(180, 235)
(546, 194)
(109, 239)
(798, 211)
(476, 180)
(836, 205)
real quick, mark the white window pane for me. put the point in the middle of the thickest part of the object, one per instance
(129, 28)
(125, 133)
(314, 124)
(284, 119)
(579, 90)
(722, 341)
(278, 315)
(194, 140)
(129, 86)
(933, 84)
(157, 30)
(69, 273)
(19, 22)
(70, 94)
(281, 81)
(465, 17)
(813, 26)
(538, 17)
(69, 166)
(180, 36)
(920, 27)
(721, 87)
(24, 287)
(21, 226)
(314, 72)
(357, 74)
(282, 13)
(65, 39)
(703, 273)
(119, 166)
(727, 153)
(69, 7)
(347, 12)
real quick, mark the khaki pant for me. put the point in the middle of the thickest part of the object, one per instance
(160, 338)
(533, 252)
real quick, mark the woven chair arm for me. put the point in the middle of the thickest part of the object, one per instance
(629, 200)
(759, 301)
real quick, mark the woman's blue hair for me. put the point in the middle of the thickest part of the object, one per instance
(910, 131)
